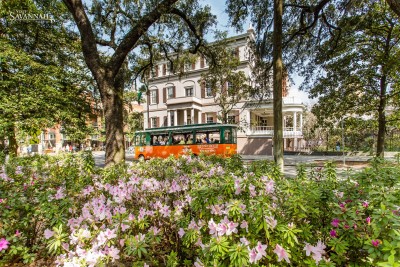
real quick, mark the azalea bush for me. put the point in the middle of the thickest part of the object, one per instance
(202, 211)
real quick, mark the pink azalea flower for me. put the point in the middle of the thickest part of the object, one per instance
(181, 232)
(253, 256)
(335, 222)
(3, 244)
(365, 204)
(375, 243)
(231, 228)
(309, 249)
(113, 252)
(368, 220)
(244, 241)
(124, 227)
(212, 226)
(48, 233)
(222, 228)
(316, 251)
(333, 233)
(261, 249)
(244, 225)
(269, 186)
(281, 253)
(252, 190)
(271, 221)
(17, 233)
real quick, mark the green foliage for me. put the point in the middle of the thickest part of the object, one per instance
(358, 74)
(357, 218)
(43, 81)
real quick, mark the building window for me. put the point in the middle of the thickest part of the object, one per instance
(153, 97)
(210, 119)
(170, 92)
(189, 91)
(231, 119)
(153, 122)
(208, 90)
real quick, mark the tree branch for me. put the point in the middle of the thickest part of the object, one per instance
(315, 11)
(191, 27)
(88, 38)
(395, 6)
(132, 37)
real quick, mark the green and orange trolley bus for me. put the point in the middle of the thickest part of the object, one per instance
(195, 139)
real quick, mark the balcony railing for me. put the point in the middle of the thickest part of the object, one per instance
(288, 132)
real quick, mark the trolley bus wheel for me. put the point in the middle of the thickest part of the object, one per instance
(141, 158)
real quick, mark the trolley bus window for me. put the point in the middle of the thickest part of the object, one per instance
(227, 136)
(208, 137)
(140, 140)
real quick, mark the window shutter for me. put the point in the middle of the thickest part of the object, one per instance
(157, 97)
(173, 92)
(237, 116)
(237, 53)
(156, 71)
(203, 89)
(202, 62)
(214, 115)
(158, 122)
(164, 69)
(148, 96)
(148, 123)
(193, 65)
(203, 118)
(165, 121)
(164, 95)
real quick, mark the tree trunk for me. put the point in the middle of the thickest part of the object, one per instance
(12, 142)
(380, 146)
(277, 79)
(113, 114)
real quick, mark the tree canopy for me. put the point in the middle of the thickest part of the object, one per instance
(43, 81)
(359, 74)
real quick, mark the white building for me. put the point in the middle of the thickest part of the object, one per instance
(174, 100)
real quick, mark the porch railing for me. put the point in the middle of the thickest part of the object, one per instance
(269, 131)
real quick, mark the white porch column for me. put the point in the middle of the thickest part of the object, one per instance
(295, 131)
(185, 117)
(168, 118)
(248, 121)
(199, 115)
(192, 116)
(175, 117)
(301, 121)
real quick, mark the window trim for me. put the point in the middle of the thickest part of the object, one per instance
(186, 91)
(153, 98)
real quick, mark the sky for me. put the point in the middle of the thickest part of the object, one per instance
(218, 9)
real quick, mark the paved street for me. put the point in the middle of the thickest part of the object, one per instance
(352, 163)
